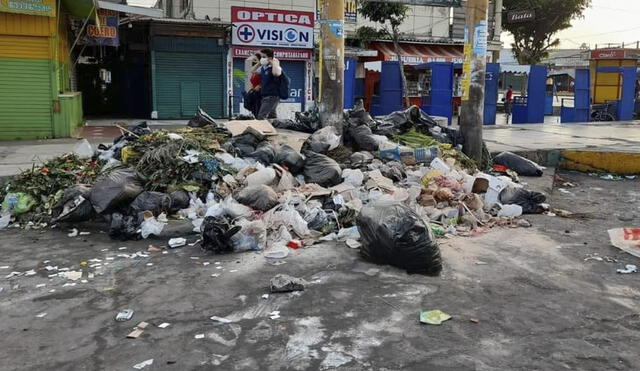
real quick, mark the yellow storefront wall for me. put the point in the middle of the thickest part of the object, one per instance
(607, 86)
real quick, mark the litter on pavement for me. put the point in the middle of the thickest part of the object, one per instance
(389, 186)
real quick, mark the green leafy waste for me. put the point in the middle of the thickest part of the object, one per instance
(415, 139)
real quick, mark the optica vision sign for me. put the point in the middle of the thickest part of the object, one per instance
(272, 28)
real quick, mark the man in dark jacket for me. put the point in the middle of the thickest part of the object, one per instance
(270, 73)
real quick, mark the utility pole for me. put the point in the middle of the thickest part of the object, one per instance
(331, 97)
(475, 52)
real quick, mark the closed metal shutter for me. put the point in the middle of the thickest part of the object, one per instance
(25, 88)
(296, 72)
(188, 73)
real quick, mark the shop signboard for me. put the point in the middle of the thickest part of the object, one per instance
(32, 7)
(444, 3)
(107, 32)
(272, 28)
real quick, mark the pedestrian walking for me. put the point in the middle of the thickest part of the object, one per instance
(272, 80)
(508, 98)
(252, 95)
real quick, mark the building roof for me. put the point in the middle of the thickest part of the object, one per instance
(203, 22)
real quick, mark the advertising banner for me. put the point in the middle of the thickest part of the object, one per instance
(272, 28)
(33, 7)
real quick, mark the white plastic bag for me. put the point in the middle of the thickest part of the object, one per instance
(5, 219)
(286, 215)
(278, 245)
(354, 177)
(264, 176)
(235, 209)
(151, 226)
(351, 233)
(83, 149)
(510, 211)
(327, 135)
(626, 239)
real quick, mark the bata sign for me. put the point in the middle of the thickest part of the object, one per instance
(270, 27)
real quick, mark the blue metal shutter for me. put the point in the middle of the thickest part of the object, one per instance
(296, 72)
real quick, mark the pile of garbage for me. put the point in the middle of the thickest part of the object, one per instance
(388, 186)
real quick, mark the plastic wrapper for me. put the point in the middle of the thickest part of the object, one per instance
(519, 164)
(17, 203)
(179, 200)
(201, 119)
(74, 206)
(260, 197)
(393, 234)
(321, 170)
(116, 189)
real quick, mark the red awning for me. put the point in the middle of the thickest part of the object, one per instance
(414, 54)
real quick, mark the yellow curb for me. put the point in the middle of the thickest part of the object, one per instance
(624, 163)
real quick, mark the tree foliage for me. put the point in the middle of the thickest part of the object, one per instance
(390, 17)
(533, 39)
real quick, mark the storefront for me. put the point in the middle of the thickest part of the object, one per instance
(413, 54)
(290, 35)
(35, 97)
(167, 68)
(607, 86)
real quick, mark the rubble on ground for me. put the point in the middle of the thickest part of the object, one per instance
(395, 184)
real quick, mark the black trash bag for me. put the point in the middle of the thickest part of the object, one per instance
(529, 200)
(392, 233)
(245, 117)
(321, 170)
(115, 189)
(217, 233)
(179, 200)
(289, 157)
(397, 122)
(361, 157)
(201, 119)
(519, 164)
(264, 153)
(293, 125)
(316, 219)
(74, 205)
(156, 202)
(359, 116)
(362, 137)
(261, 197)
(134, 132)
(124, 227)
(309, 120)
(252, 101)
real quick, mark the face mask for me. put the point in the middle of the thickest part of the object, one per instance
(264, 61)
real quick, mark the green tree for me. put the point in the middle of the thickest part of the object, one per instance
(533, 39)
(390, 16)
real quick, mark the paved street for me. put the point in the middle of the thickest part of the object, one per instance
(538, 304)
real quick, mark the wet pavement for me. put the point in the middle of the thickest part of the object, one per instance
(521, 299)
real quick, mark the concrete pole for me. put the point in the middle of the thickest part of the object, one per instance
(498, 27)
(331, 97)
(475, 51)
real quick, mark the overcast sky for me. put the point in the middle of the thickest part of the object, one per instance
(607, 21)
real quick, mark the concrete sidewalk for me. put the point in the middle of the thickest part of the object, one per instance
(612, 146)
(617, 135)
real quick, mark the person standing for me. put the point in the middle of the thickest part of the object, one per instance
(270, 80)
(252, 96)
(508, 99)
